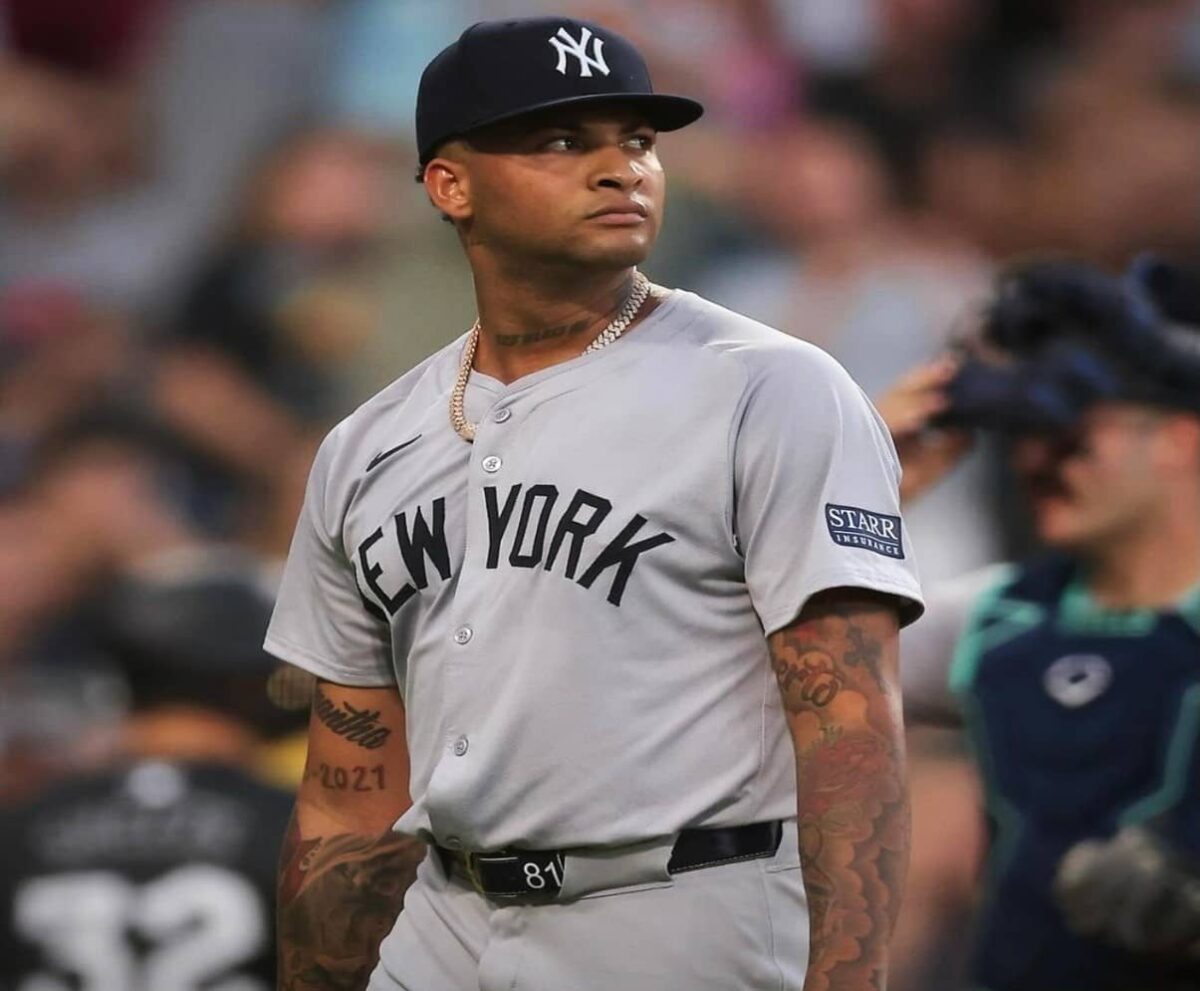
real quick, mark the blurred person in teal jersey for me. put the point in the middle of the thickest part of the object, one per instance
(1077, 673)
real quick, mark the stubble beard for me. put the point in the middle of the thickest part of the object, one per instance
(607, 257)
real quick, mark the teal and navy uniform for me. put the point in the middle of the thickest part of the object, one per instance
(1083, 721)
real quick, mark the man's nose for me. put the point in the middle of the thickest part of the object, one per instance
(1032, 454)
(614, 169)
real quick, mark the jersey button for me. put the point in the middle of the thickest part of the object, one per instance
(502, 415)
(491, 464)
(463, 635)
(461, 746)
(452, 843)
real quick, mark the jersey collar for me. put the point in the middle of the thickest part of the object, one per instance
(1079, 612)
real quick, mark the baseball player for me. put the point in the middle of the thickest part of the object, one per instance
(155, 871)
(603, 598)
(1078, 674)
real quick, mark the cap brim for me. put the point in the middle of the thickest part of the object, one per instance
(663, 112)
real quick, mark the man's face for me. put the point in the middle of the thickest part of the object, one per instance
(580, 187)
(1097, 483)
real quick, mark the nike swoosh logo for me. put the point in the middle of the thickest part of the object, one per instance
(384, 455)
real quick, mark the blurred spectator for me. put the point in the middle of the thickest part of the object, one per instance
(1115, 135)
(927, 65)
(876, 286)
(973, 176)
(106, 493)
(122, 168)
(844, 267)
(67, 96)
(261, 353)
(424, 292)
(156, 869)
(58, 354)
(287, 300)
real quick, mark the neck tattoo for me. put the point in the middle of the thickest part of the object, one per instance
(633, 306)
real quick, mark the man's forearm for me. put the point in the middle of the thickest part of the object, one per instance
(339, 895)
(854, 851)
(837, 672)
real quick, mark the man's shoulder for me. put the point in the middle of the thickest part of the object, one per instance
(395, 411)
(761, 350)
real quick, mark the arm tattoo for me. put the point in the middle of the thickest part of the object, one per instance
(359, 726)
(809, 678)
(865, 651)
(833, 672)
(338, 897)
(336, 777)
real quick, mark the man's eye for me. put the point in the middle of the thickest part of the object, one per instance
(561, 144)
(643, 141)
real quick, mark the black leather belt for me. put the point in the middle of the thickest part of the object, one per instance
(538, 874)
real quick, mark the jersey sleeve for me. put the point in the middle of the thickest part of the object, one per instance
(816, 490)
(928, 646)
(320, 622)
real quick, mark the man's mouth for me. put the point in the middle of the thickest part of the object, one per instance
(626, 212)
(1044, 485)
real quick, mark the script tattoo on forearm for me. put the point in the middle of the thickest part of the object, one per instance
(835, 668)
(360, 726)
(339, 897)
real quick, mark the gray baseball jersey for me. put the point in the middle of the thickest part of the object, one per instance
(574, 606)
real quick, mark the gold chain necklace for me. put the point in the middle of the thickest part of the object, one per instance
(633, 305)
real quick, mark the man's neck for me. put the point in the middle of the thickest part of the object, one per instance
(1152, 569)
(533, 320)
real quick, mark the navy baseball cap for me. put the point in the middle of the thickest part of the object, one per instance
(498, 70)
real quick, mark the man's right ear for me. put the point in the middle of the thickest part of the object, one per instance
(449, 188)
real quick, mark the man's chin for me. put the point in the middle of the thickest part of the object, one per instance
(1067, 536)
(622, 249)
(1056, 525)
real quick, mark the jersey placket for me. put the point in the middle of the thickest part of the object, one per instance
(471, 659)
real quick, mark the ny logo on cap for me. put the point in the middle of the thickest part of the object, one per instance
(565, 45)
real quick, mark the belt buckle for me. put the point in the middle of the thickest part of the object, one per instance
(536, 875)
(470, 867)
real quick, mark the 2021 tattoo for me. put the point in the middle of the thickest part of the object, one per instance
(835, 668)
(356, 778)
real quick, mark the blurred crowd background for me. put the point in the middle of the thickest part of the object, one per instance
(211, 249)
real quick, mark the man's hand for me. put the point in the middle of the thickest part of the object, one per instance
(1134, 891)
(908, 408)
